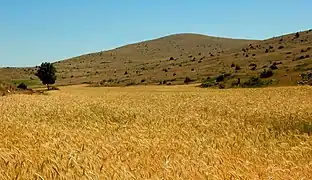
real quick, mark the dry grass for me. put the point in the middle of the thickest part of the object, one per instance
(157, 132)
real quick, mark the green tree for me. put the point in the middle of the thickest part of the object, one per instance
(47, 74)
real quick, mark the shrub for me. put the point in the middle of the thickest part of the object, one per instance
(171, 58)
(209, 82)
(256, 82)
(253, 64)
(237, 67)
(232, 65)
(252, 82)
(22, 86)
(273, 67)
(187, 80)
(281, 47)
(220, 78)
(297, 35)
(266, 73)
(253, 68)
(221, 86)
(236, 82)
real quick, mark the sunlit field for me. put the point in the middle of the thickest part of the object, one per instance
(157, 132)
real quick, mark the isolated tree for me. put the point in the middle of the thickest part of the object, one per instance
(47, 74)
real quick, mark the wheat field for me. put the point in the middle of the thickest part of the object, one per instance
(157, 132)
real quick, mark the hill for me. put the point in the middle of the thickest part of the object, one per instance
(172, 58)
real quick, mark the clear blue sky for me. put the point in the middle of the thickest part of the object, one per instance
(33, 31)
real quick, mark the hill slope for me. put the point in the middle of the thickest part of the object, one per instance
(147, 61)
(172, 58)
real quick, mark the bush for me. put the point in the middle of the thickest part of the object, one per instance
(187, 80)
(236, 82)
(273, 67)
(266, 73)
(237, 67)
(232, 65)
(256, 82)
(297, 35)
(221, 86)
(220, 78)
(22, 86)
(209, 82)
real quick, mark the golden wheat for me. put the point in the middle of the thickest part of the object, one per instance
(151, 132)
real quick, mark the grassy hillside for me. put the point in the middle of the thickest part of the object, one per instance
(170, 59)
(157, 132)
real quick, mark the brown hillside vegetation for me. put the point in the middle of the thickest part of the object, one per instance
(170, 59)
(157, 132)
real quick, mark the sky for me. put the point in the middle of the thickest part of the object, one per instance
(36, 31)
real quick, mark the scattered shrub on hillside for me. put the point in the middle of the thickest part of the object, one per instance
(252, 82)
(237, 67)
(126, 72)
(271, 47)
(165, 70)
(273, 67)
(171, 58)
(232, 65)
(221, 86)
(22, 86)
(306, 78)
(187, 80)
(299, 58)
(253, 64)
(297, 35)
(253, 68)
(281, 47)
(266, 50)
(255, 81)
(199, 61)
(174, 74)
(192, 69)
(307, 56)
(209, 82)
(220, 78)
(253, 54)
(236, 82)
(72, 76)
(288, 52)
(266, 73)
(143, 80)
(246, 55)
